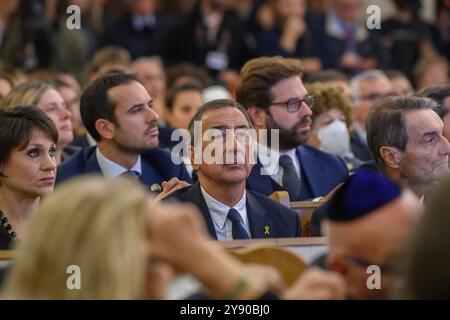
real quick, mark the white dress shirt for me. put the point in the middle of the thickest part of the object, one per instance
(219, 213)
(111, 169)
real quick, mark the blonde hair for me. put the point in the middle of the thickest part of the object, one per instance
(29, 93)
(96, 224)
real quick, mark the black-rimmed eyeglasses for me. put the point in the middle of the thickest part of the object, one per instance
(294, 104)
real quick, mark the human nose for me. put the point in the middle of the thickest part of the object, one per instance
(305, 110)
(65, 113)
(49, 163)
(445, 149)
(151, 115)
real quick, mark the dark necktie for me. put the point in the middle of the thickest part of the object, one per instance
(238, 229)
(130, 173)
(291, 180)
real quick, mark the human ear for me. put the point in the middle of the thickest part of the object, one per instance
(391, 156)
(105, 128)
(258, 117)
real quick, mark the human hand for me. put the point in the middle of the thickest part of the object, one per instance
(177, 233)
(169, 187)
(317, 284)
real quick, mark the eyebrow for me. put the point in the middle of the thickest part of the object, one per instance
(221, 127)
(39, 145)
(52, 104)
(432, 133)
(149, 102)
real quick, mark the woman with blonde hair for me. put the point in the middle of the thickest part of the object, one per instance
(92, 226)
(92, 240)
(44, 96)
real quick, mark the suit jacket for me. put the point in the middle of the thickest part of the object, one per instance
(187, 41)
(156, 166)
(320, 173)
(261, 212)
(359, 147)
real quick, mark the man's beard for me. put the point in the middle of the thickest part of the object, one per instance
(289, 138)
(129, 147)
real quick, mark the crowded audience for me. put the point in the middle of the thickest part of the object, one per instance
(172, 129)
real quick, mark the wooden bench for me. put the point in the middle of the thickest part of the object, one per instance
(307, 248)
(304, 209)
(290, 256)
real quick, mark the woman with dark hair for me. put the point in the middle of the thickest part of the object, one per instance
(27, 167)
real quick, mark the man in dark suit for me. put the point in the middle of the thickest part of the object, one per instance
(229, 209)
(117, 112)
(273, 93)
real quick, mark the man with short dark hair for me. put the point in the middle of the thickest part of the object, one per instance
(273, 93)
(117, 112)
(405, 136)
(222, 163)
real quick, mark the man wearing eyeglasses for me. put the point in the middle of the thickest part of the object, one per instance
(273, 93)
(367, 88)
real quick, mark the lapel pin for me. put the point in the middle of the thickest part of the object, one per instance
(266, 230)
(155, 187)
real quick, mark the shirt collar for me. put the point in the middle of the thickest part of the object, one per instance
(219, 211)
(111, 169)
(362, 134)
(270, 158)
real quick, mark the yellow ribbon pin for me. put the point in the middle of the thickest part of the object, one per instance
(266, 230)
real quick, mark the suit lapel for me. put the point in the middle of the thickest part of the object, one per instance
(311, 169)
(195, 195)
(263, 183)
(150, 176)
(260, 224)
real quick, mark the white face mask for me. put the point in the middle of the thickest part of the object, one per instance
(334, 138)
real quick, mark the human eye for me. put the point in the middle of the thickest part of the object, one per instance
(241, 133)
(33, 153)
(52, 152)
(136, 110)
(218, 135)
(430, 139)
(293, 105)
(51, 109)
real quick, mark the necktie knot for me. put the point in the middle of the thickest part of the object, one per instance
(238, 230)
(130, 173)
(286, 161)
(234, 216)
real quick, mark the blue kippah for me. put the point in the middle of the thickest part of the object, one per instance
(362, 193)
